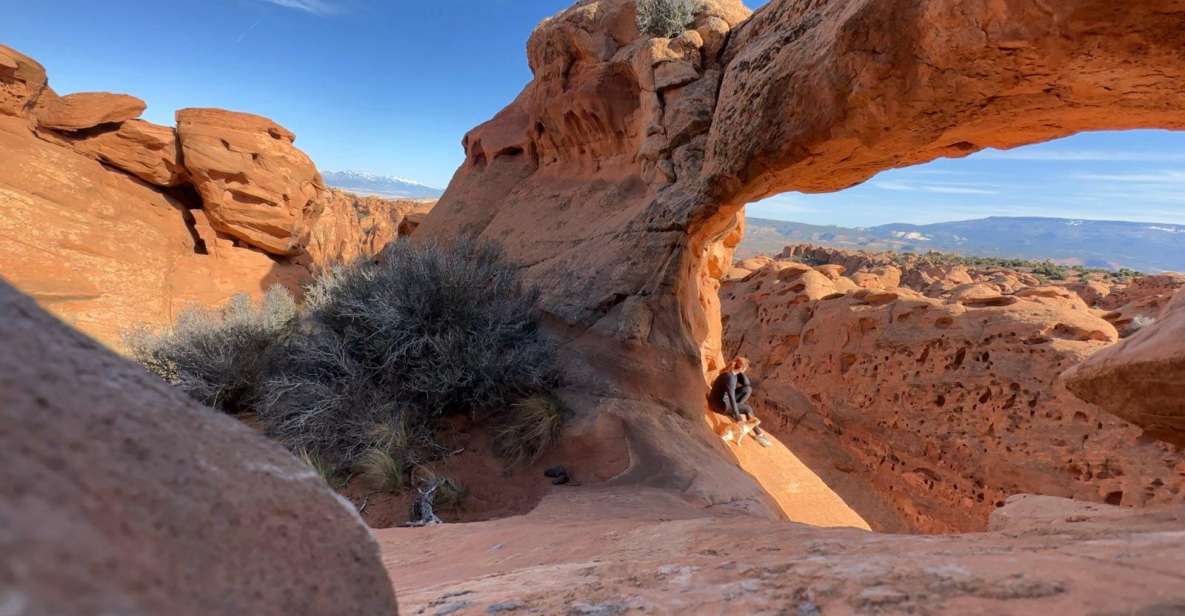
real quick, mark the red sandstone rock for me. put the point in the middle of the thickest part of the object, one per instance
(145, 150)
(254, 184)
(1142, 379)
(634, 192)
(87, 110)
(22, 81)
(105, 251)
(587, 551)
(121, 496)
(352, 226)
(926, 413)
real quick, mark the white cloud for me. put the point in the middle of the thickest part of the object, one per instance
(941, 188)
(316, 7)
(1080, 155)
(1154, 177)
(958, 190)
(894, 186)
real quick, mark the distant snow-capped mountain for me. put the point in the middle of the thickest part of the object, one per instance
(379, 185)
(1148, 247)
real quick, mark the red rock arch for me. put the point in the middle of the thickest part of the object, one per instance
(625, 213)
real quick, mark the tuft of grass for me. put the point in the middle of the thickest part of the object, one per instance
(529, 429)
(382, 470)
(326, 471)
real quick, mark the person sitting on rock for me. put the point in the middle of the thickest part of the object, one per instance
(738, 388)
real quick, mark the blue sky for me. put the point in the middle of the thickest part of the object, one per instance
(391, 86)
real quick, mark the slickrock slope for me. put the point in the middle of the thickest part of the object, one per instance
(110, 221)
(935, 407)
(122, 496)
(1142, 379)
(625, 551)
(617, 174)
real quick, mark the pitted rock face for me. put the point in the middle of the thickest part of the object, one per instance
(254, 184)
(122, 496)
(927, 407)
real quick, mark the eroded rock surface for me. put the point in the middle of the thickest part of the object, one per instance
(105, 225)
(122, 496)
(1142, 379)
(88, 110)
(254, 184)
(616, 176)
(644, 551)
(938, 403)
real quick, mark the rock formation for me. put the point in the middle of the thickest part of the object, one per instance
(617, 174)
(927, 407)
(1142, 379)
(110, 221)
(122, 496)
(644, 551)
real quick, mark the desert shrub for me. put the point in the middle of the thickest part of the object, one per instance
(380, 352)
(665, 18)
(216, 356)
(530, 427)
(424, 331)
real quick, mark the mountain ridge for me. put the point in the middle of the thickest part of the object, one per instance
(380, 185)
(1106, 244)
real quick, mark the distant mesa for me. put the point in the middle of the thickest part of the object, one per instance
(380, 185)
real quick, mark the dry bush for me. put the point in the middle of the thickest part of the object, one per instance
(425, 331)
(665, 18)
(381, 351)
(216, 356)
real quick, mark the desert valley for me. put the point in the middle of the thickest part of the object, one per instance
(231, 383)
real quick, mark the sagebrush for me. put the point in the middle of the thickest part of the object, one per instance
(426, 330)
(217, 356)
(359, 378)
(665, 18)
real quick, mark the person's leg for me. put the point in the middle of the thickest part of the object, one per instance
(747, 412)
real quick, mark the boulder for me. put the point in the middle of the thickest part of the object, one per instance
(75, 112)
(104, 251)
(110, 246)
(254, 184)
(122, 496)
(1141, 379)
(22, 81)
(145, 150)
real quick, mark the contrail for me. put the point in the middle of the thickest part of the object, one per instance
(248, 30)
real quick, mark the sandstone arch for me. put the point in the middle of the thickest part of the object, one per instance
(617, 177)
